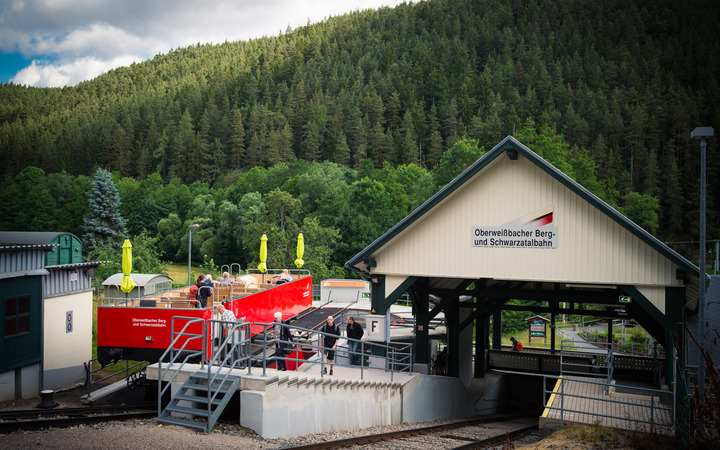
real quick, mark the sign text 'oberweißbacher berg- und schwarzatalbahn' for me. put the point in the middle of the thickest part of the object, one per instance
(535, 230)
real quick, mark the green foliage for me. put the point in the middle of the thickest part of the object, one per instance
(146, 258)
(514, 321)
(208, 265)
(643, 210)
(103, 224)
(399, 85)
(339, 122)
(454, 161)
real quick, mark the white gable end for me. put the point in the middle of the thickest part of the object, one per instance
(591, 247)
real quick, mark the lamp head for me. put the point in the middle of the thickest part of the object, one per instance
(702, 132)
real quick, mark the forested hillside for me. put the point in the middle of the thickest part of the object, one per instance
(623, 83)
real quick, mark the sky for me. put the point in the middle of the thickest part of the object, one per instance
(54, 43)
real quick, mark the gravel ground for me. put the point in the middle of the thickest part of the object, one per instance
(146, 434)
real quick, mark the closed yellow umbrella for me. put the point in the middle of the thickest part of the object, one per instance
(127, 284)
(300, 251)
(263, 254)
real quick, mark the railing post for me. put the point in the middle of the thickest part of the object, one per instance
(207, 332)
(562, 402)
(362, 360)
(265, 330)
(652, 411)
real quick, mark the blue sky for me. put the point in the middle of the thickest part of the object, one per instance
(10, 64)
(53, 43)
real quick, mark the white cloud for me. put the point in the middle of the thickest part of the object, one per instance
(89, 37)
(46, 74)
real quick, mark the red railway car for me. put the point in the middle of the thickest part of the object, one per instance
(140, 328)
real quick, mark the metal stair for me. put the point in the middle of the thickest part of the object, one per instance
(208, 400)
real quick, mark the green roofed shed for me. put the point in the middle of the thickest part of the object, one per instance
(68, 250)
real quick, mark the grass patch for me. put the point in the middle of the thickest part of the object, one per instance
(179, 273)
(599, 437)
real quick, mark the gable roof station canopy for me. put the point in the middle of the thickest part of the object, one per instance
(515, 227)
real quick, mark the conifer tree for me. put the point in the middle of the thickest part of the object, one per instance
(103, 224)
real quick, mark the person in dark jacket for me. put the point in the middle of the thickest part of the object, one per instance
(282, 333)
(354, 331)
(330, 342)
(204, 291)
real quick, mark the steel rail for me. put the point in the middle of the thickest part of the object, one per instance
(392, 435)
(19, 413)
(492, 441)
(67, 417)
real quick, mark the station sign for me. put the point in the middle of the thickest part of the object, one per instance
(375, 327)
(537, 328)
(536, 230)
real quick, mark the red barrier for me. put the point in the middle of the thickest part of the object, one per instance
(148, 328)
(289, 298)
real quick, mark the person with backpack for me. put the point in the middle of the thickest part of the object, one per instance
(192, 294)
(202, 292)
(516, 345)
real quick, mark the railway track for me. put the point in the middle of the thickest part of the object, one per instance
(465, 434)
(11, 421)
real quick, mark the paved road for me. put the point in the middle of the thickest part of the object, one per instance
(579, 343)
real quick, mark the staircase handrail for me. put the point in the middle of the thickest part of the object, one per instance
(214, 370)
(170, 351)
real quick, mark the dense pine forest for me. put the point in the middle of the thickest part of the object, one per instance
(341, 128)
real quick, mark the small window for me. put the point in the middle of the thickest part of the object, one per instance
(17, 316)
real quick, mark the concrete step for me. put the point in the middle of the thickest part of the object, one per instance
(187, 410)
(182, 422)
(204, 387)
(197, 398)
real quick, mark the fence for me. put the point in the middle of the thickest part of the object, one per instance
(585, 400)
(398, 356)
(132, 376)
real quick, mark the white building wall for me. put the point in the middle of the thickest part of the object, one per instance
(29, 379)
(65, 352)
(592, 248)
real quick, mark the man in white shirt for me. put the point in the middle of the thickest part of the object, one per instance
(227, 316)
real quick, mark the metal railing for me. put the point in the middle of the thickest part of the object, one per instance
(228, 350)
(601, 362)
(649, 348)
(231, 344)
(654, 403)
(398, 356)
(126, 373)
(229, 269)
(178, 357)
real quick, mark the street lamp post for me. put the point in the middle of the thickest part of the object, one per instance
(702, 133)
(190, 230)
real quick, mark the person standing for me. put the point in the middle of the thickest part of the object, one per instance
(330, 342)
(204, 290)
(227, 316)
(282, 334)
(354, 331)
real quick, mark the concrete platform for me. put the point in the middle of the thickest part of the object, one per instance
(105, 394)
(581, 401)
(288, 404)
